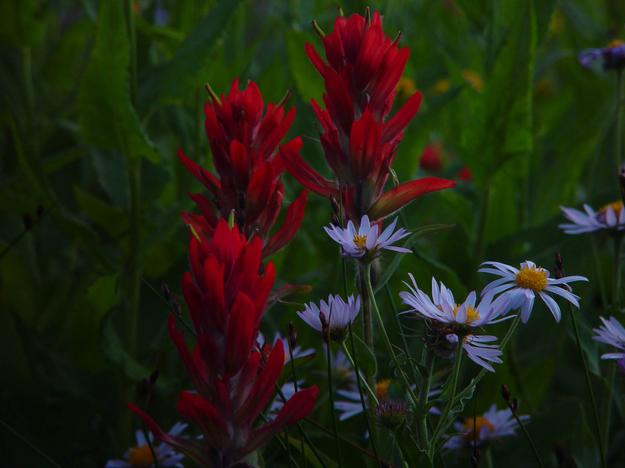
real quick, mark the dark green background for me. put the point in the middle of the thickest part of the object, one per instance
(96, 148)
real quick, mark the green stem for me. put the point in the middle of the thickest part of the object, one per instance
(593, 401)
(527, 437)
(602, 288)
(480, 244)
(332, 408)
(619, 119)
(404, 342)
(363, 381)
(295, 386)
(442, 422)
(618, 267)
(608, 409)
(32, 446)
(423, 401)
(386, 339)
(148, 441)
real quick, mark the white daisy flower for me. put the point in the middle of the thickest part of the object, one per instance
(612, 333)
(491, 425)
(288, 389)
(610, 216)
(336, 312)
(366, 240)
(460, 319)
(141, 455)
(521, 286)
(298, 352)
(350, 405)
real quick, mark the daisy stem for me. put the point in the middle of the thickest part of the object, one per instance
(526, 434)
(332, 409)
(387, 340)
(608, 409)
(588, 385)
(295, 387)
(619, 119)
(602, 291)
(618, 265)
(442, 422)
(146, 434)
(361, 379)
(423, 401)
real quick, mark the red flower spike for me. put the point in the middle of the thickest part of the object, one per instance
(244, 139)
(226, 296)
(360, 139)
(292, 221)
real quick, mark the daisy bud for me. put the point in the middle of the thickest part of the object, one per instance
(505, 392)
(559, 270)
(292, 336)
(514, 405)
(391, 414)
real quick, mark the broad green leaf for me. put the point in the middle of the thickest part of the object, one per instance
(111, 219)
(113, 348)
(107, 115)
(188, 68)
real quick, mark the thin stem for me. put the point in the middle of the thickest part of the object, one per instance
(385, 336)
(602, 288)
(589, 386)
(406, 349)
(295, 387)
(608, 409)
(361, 379)
(480, 243)
(618, 267)
(619, 119)
(32, 446)
(332, 408)
(452, 397)
(527, 436)
(148, 441)
(423, 401)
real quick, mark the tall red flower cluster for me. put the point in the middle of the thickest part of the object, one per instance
(244, 137)
(233, 382)
(358, 136)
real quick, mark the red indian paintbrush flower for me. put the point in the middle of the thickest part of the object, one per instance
(359, 138)
(244, 137)
(226, 295)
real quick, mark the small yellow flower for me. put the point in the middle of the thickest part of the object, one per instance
(441, 86)
(141, 456)
(406, 87)
(531, 277)
(473, 78)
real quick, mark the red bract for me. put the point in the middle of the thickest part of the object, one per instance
(226, 295)
(358, 136)
(244, 137)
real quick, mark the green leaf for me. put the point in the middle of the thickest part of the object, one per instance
(112, 347)
(366, 360)
(111, 219)
(107, 115)
(412, 239)
(190, 64)
(307, 83)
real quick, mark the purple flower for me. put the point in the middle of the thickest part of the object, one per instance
(613, 56)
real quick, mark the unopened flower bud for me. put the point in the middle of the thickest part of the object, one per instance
(391, 414)
(559, 270)
(505, 392)
(292, 336)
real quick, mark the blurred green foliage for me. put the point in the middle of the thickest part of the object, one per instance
(92, 115)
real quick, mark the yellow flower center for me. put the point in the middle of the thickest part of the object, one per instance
(381, 388)
(616, 206)
(532, 278)
(473, 426)
(360, 241)
(615, 43)
(141, 456)
(472, 314)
